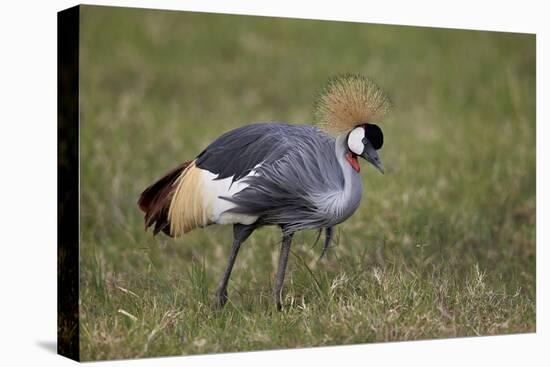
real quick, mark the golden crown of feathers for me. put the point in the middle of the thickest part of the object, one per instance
(347, 101)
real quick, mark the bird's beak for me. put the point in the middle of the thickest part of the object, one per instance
(371, 155)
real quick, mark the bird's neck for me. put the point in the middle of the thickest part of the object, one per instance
(351, 193)
(347, 160)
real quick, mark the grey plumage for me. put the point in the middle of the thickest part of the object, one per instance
(300, 182)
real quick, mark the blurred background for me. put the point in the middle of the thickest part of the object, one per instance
(443, 244)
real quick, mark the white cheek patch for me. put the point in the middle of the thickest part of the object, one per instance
(355, 140)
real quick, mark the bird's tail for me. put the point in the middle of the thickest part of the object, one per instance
(174, 203)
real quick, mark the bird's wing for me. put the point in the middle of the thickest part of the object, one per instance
(237, 152)
(292, 189)
(194, 194)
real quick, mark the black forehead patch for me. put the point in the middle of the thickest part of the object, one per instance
(374, 134)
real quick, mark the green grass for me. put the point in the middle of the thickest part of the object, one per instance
(443, 244)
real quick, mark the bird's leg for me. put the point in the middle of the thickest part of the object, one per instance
(280, 278)
(221, 293)
(240, 234)
(328, 238)
(318, 237)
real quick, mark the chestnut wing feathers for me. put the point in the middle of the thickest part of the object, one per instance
(154, 201)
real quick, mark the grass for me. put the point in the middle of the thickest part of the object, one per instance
(443, 244)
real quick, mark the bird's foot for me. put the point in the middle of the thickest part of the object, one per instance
(221, 298)
(277, 302)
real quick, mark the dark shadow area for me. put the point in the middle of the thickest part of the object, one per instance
(68, 22)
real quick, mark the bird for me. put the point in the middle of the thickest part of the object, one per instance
(294, 176)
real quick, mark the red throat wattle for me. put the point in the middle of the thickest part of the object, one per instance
(352, 159)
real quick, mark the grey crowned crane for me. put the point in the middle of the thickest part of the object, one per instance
(297, 177)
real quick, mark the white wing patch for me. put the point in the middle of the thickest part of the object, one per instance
(213, 189)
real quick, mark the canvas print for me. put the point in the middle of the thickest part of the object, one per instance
(234, 183)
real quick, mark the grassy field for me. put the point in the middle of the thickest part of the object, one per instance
(443, 244)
